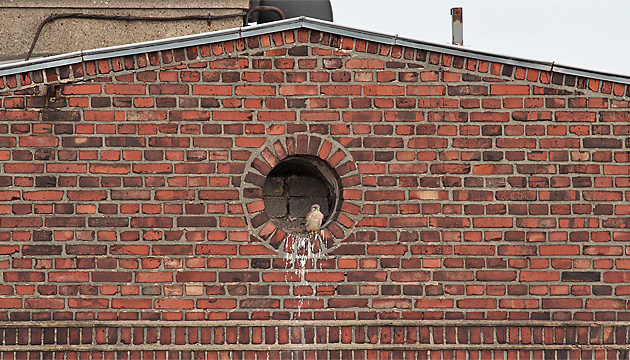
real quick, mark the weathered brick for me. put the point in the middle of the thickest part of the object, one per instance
(463, 191)
(125, 89)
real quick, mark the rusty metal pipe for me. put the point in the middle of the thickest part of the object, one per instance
(263, 9)
(458, 26)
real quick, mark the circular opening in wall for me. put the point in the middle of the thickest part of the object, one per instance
(294, 185)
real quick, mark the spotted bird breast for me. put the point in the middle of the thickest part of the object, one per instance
(314, 221)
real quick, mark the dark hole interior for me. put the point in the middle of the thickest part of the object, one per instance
(293, 186)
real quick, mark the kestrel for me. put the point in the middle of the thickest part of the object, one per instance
(314, 220)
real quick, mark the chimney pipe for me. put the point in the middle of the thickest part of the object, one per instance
(458, 26)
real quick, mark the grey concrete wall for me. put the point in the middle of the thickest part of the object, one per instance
(22, 17)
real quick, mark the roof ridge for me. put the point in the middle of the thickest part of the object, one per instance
(293, 24)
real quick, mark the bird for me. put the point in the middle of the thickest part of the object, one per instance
(314, 220)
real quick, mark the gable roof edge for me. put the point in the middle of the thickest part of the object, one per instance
(292, 24)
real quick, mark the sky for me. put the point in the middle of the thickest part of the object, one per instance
(587, 34)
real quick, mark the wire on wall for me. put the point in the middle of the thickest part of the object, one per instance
(53, 17)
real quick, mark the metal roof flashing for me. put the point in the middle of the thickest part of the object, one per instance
(292, 24)
(41, 63)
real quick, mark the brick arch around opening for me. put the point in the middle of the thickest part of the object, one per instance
(347, 211)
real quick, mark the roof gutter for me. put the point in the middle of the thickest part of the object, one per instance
(292, 24)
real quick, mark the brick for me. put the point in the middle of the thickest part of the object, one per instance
(434, 303)
(424, 143)
(452, 276)
(562, 303)
(477, 303)
(509, 89)
(255, 90)
(82, 142)
(539, 276)
(77, 222)
(152, 222)
(153, 277)
(490, 117)
(68, 276)
(450, 168)
(140, 195)
(125, 89)
(88, 303)
(172, 249)
(364, 64)
(44, 195)
(81, 89)
(174, 195)
(132, 303)
(575, 116)
(218, 195)
(519, 304)
(102, 276)
(24, 276)
(216, 303)
(19, 115)
(9, 195)
(410, 276)
(43, 303)
(617, 304)
(87, 195)
(216, 249)
(532, 115)
(232, 115)
(300, 90)
(53, 115)
(212, 90)
(130, 194)
(426, 90)
(11, 303)
(383, 90)
(39, 141)
(229, 63)
(347, 303)
(238, 276)
(21, 222)
(581, 276)
(340, 90)
(168, 89)
(195, 276)
(602, 143)
(490, 275)
(467, 90)
(66, 168)
(493, 222)
(110, 169)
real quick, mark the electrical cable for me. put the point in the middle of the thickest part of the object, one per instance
(53, 17)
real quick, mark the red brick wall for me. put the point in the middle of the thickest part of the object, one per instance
(476, 197)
